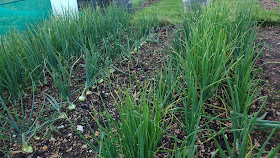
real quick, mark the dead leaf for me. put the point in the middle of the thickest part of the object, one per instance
(45, 148)
(69, 149)
(97, 133)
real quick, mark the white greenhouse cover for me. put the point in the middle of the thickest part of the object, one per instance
(60, 7)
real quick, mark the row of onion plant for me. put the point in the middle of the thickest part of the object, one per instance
(50, 52)
(214, 57)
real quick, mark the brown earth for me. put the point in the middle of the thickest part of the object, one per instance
(269, 4)
(271, 67)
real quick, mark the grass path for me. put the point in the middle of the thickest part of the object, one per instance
(167, 11)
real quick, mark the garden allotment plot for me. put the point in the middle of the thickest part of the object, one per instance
(109, 83)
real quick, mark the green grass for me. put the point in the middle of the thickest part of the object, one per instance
(137, 3)
(171, 11)
(267, 16)
(167, 11)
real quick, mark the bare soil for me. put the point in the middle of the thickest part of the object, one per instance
(269, 4)
(271, 67)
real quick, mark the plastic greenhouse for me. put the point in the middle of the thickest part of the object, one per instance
(18, 13)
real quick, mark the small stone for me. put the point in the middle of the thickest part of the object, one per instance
(61, 126)
(64, 141)
(84, 146)
(90, 151)
(45, 148)
(70, 134)
(80, 128)
(52, 139)
(146, 69)
(278, 113)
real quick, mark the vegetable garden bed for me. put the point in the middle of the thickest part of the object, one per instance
(108, 85)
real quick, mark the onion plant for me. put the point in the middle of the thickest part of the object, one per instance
(138, 130)
(243, 141)
(94, 62)
(53, 104)
(200, 51)
(11, 76)
(22, 53)
(215, 47)
(62, 79)
(18, 123)
(204, 47)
